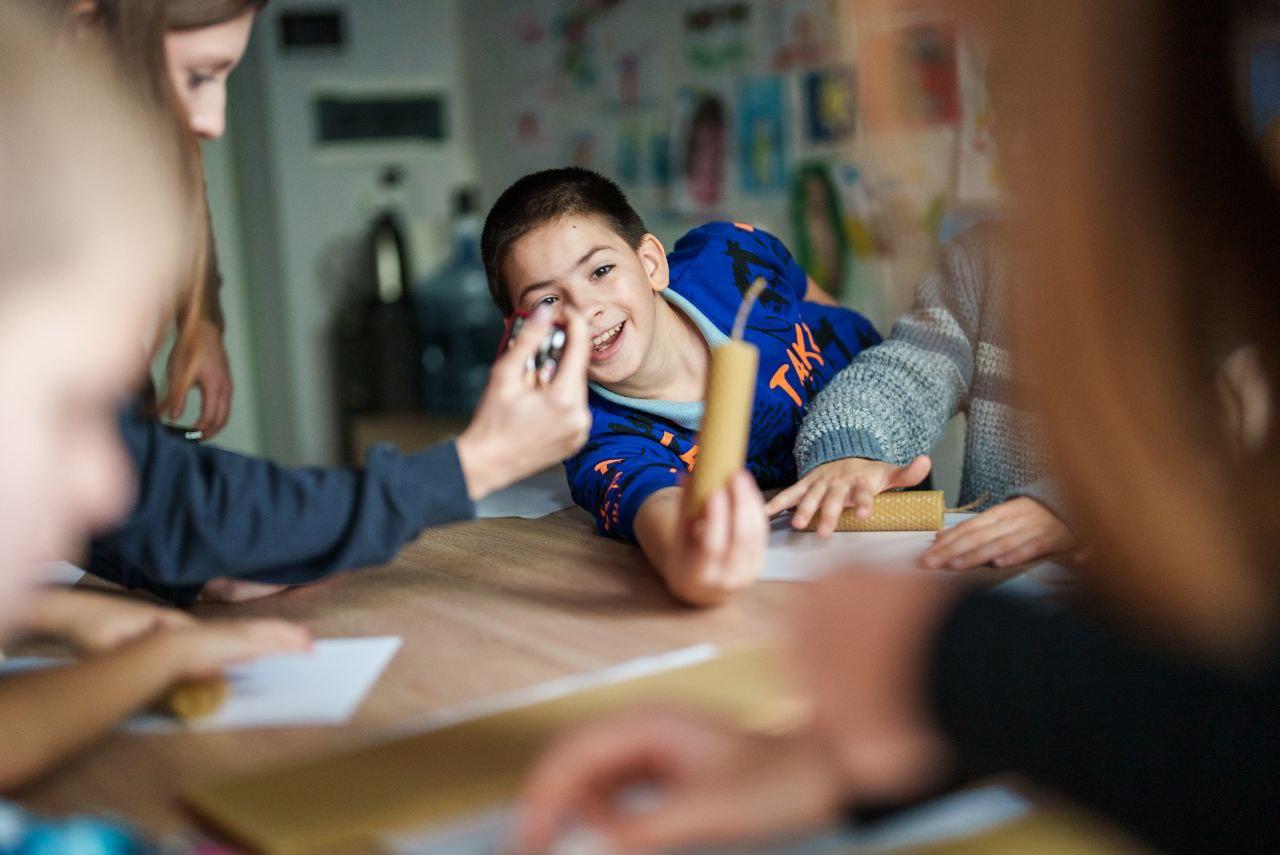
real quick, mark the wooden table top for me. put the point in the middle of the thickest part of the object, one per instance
(484, 607)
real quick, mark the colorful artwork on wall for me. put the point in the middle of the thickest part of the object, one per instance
(699, 150)
(574, 28)
(802, 33)
(631, 141)
(819, 237)
(717, 35)
(762, 133)
(978, 179)
(831, 104)
(908, 78)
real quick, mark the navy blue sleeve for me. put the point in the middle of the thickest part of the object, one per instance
(203, 512)
(615, 473)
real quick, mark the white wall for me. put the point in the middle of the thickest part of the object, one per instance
(301, 206)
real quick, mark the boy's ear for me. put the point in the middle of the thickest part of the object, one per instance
(653, 257)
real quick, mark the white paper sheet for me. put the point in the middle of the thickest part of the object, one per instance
(533, 498)
(323, 687)
(801, 556)
(60, 573)
(796, 556)
(561, 687)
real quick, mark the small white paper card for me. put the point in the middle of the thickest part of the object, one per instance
(533, 498)
(60, 573)
(323, 687)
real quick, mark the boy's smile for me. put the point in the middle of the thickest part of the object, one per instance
(636, 338)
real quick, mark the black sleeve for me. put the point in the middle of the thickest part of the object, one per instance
(1185, 755)
(203, 512)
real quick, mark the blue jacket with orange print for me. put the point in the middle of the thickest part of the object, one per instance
(638, 447)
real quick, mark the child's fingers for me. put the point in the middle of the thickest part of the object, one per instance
(1031, 548)
(510, 366)
(973, 549)
(982, 520)
(833, 504)
(571, 375)
(711, 529)
(863, 501)
(173, 619)
(787, 498)
(278, 636)
(911, 474)
(808, 506)
(987, 553)
(750, 532)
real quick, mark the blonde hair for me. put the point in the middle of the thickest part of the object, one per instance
(73, 144)
(133, 31)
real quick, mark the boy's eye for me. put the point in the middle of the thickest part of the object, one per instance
(602, 270)
(195, 79)
(546, 301)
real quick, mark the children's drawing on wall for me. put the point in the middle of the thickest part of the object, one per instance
(531, 145)
(802, 32)
(762, 133)
(659, 162)
(818, 227)
(700, 147)
(528, 36)
(830, 98)
(977, 167)
(575, 31)
(583, 150)
(632, 136)
(632, 84)
(909, 78)
(628, 91)
(717, 35)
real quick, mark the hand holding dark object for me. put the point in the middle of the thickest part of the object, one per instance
(522, 427)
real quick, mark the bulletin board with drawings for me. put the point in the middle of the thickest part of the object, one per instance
(749, 110)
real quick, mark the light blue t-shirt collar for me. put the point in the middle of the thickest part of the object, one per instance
(687, 414)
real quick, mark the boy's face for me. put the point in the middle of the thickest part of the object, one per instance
(580, 262)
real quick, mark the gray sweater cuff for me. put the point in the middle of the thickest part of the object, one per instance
(837, 445)
(1043, 491)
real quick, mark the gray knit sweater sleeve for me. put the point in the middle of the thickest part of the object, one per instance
(892, 402)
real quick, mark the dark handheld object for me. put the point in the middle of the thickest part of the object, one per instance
(546, 359)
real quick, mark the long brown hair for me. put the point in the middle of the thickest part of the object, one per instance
(198, 14)
(1149, 236)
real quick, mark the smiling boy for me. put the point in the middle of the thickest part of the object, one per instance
(569, 237)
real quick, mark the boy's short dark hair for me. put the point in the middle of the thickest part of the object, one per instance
(543, 196)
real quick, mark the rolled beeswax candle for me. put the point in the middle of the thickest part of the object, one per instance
(726, 423)
(195, 699)
(909, 510)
